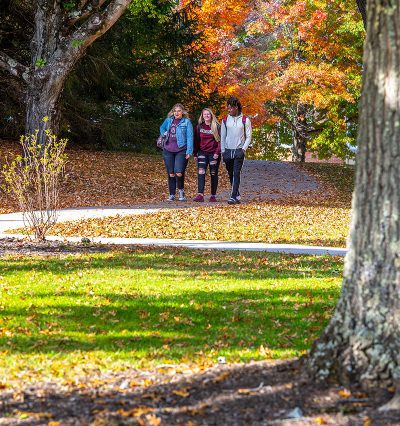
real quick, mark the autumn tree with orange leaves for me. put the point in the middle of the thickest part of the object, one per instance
(218, 24)
(297, 64)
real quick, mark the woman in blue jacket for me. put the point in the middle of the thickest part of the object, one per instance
(177, 149)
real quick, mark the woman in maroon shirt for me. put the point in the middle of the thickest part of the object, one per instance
(207, 150)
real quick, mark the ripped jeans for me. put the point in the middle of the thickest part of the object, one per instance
(205, 159)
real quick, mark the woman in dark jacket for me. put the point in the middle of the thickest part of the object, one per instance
(207, 150)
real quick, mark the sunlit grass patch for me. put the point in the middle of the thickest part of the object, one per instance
(77, 314)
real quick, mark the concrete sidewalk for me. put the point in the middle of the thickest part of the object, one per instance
(15, 220)
(201, 244)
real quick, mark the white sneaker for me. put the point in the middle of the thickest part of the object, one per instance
(182, 195)
(171, 198)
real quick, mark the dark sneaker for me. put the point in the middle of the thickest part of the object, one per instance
(233, 201)
(213, 199)
(199, 198)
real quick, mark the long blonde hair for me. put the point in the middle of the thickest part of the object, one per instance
(185, 112)
(214, 123)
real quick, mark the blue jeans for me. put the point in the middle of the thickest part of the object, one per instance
(175, 162)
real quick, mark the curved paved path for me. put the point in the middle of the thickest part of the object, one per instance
(261, 180)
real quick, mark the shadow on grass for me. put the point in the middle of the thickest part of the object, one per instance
(173, 325)
(167, 303)
(235, 264)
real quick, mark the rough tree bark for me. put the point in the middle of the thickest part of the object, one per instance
(60, 39)
(362, 341)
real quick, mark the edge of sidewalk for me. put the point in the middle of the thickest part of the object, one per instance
(198, 244)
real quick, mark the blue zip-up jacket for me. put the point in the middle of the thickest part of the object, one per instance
(184, 133)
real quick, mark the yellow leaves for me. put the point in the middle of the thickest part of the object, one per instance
(144, 415)
(222, 377)
(344, 393)
(150, 420)
(265, 222)
(23, 415)
(144, 314)
(163, 316)
(265, 351)
(244, 391)
(184, 393)
(182, 320)
(320, 421)
(367, 421)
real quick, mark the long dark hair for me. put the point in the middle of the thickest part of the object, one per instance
(232, 101)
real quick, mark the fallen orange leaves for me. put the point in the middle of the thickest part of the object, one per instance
(94, 178)
(261, 222)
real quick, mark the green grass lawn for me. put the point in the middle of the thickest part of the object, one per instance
(72, 315)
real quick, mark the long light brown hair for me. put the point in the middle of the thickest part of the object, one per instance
(214, 123)
(185, 112)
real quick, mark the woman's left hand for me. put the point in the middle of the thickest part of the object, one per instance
(187, 156)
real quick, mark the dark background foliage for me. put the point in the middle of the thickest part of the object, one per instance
(124, 87)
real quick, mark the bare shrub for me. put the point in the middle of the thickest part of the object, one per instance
(33, 179)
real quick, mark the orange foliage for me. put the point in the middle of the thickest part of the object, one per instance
(289, 50)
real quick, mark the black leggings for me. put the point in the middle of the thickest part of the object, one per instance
(205, 159)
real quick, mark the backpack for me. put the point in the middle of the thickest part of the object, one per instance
(244, 117)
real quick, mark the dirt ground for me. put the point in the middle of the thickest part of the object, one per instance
(260, 393)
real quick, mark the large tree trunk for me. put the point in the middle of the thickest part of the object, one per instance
(47, 77)
(42, 105)
(362, 341)
(299, 135)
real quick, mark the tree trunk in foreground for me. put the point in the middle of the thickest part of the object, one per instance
(362, 341)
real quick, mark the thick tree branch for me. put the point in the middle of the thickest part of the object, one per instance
(86, 9)
(13, 67)
(95, 26)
